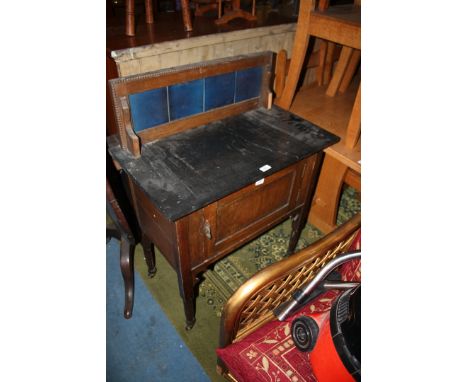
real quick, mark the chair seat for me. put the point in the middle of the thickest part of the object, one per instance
(339, 24)
(269, 353)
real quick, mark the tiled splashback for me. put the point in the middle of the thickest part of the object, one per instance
(158, 106)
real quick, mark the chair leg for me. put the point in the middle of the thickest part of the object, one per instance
(343, 62)
(149, 11)
(353, 130)
(350, 69)
(127, 251)
(322, 51)
(329, 60)
(130, 17)
(186, 15)
(327, 196)
(301, 42)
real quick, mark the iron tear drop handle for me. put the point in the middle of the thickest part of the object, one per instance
(285, 309)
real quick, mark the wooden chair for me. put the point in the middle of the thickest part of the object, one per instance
(330, 25)
(251, 306)
(337, 30)
(128, 240)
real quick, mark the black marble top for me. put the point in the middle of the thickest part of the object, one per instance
(187, 171)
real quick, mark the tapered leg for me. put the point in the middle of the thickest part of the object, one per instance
(187, 293)
(327, 197)
(127, 251)
(299, 219)
(189, 309)
(148, 251)
(184, 273)
(149, 11)
(130, 17)
(296, 232)
(186, 15)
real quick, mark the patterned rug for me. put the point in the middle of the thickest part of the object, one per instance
(231, 272)
(222, 281)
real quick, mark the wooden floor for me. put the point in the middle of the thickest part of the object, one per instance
(168, 26)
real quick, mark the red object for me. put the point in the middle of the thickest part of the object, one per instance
(325, 361)
(269, 354)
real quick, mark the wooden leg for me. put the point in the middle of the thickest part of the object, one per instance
(301, 42)
(148, 251)
(127, 251)
(329, 60)
(325, 205)
(300, 218)
(351, 68)
(322, 54)
(280, 72)
(130, 17)
(295, 233)
(184, 273)
(353, 131)
(186, 15)
(112, 232)
(189, 310)
(340, 70)
(149, 11)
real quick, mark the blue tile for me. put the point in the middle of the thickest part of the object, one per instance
(185, 99)
(148, 108)
(219, 90)
(248, 83)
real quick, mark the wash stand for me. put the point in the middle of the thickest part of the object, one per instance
(211, 165)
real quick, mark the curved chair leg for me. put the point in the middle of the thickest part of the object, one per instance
(127, 251)
(148, 251)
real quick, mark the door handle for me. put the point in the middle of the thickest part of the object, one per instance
(207, 229)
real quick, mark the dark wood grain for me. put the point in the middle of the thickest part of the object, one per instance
(202, 192)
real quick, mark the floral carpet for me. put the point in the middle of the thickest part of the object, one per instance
(231, 272)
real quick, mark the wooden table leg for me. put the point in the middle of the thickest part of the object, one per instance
(184, 273)
(150, 258)
(299, 219)
(127, 251)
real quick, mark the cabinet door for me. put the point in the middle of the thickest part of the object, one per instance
(247, 213)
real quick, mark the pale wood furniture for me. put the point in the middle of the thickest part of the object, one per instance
(130, 15)
(210, 166)
(341, 163)
(204, 6)
(334, 100)
(252, 305)
(235, 12)
(331, 25)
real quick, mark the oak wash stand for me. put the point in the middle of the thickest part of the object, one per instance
(210, 166)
